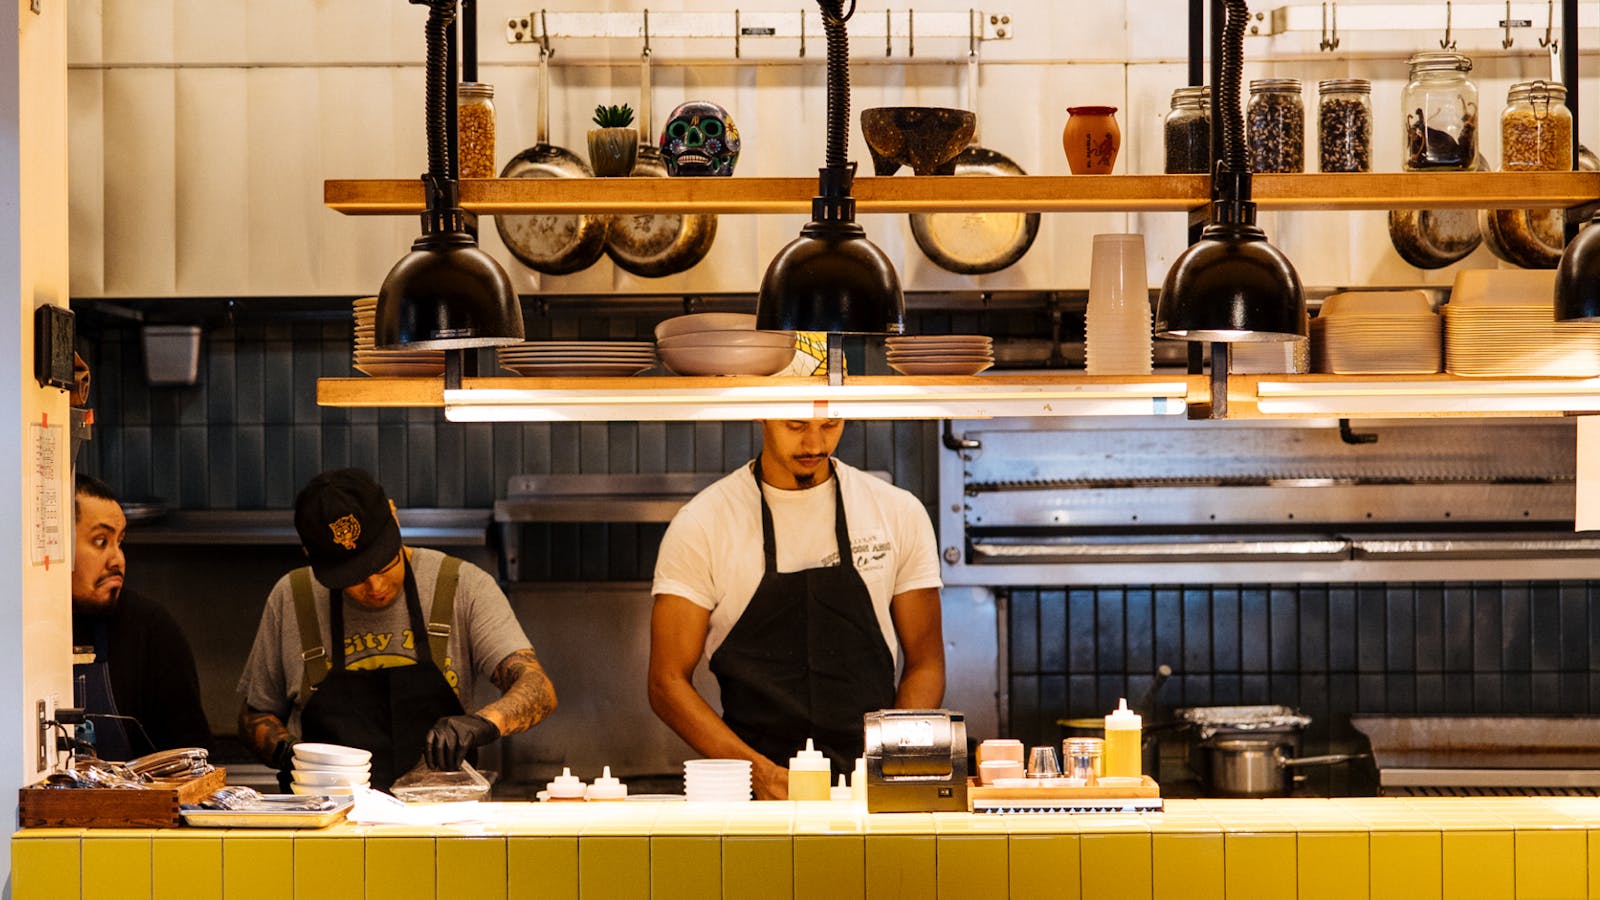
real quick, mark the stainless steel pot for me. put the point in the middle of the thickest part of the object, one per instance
(1259, 767)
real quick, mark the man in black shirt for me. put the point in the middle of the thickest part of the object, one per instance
(133, 671)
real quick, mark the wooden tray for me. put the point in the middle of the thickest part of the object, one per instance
(155, 806)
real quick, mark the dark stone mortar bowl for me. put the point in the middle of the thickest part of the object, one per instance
(926, 138)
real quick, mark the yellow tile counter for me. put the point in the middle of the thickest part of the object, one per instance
(1412, 848)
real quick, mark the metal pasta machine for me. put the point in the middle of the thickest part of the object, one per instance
(916, 760)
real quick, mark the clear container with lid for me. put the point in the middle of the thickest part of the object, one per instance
(1276, 121)
(475, 129)
(1344, 125)
(1440, 104)
(1536, 128)
(1187, 130)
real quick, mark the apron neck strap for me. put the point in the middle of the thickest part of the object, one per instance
(841, 527)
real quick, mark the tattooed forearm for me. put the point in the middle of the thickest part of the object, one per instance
(527, 695)
(261, 732)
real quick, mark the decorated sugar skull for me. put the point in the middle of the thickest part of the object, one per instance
(700, 139)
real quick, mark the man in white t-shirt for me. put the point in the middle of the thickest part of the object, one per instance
(803, 638)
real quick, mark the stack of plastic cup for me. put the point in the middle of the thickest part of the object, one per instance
(716, 780)
(1117, 338)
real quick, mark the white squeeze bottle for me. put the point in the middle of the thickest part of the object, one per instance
(809, 774)
(1123, 728)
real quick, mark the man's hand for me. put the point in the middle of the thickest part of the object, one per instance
(283, 755)
(769, 780)
(453, 736)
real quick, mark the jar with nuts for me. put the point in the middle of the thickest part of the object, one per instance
(1344, 125)
(1276, 120)
(1536, 128)
(475, 129)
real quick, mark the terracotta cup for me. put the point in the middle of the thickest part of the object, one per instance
(1091, 139)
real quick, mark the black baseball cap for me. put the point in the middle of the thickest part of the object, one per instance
(346, 527)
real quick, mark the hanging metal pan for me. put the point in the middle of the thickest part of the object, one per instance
(554, 245)
(1435, 238)
(1530, 238)
(976, 243)
(652, 246)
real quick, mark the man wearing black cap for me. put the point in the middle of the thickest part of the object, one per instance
(396, 684)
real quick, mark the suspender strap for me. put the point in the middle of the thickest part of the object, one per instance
(313, 654)
(444, 606)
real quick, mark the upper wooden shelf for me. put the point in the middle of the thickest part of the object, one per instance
(1023, 193)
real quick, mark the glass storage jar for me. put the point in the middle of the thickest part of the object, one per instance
(1187, 130)
(1344, 125)
(1276, 120)
(1536, 128)
(475, 129)
(1441, 110)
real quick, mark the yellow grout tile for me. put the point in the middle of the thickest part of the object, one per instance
(756, 865)
(117, 864)
(325, 863)
(248, 857)
(1259, 864)
(399, 868)
(1405, 865)
(904, 865)
(614, 867)
(1478, 864)
(544, 867)
(1045, 865)
(1186, 865)
(685, 866)
(829, 866)
(47, 863)
(468, 866)
(1115, 866)
(1332, 865)
(973, 865)
(1552, 864)
(186, 864)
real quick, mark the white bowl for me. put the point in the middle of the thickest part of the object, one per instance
(319, 779)
(704, 339)
(705, 322)
(331, 754)
(728, 360)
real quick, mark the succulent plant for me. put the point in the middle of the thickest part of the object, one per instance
(613, 116)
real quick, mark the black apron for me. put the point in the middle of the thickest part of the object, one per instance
(806, 658)
(94, 696)
(387, 711)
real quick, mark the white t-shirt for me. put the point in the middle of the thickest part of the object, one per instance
(711, 554)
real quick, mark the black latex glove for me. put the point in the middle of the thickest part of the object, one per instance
(283, 755)
(453, 736)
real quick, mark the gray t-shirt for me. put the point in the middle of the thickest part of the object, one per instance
(484, 632)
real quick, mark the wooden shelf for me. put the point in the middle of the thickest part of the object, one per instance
(1024, 193)
(668, 398)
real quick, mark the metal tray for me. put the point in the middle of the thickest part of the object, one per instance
(266, 818)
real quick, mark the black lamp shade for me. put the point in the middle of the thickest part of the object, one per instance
(1231, 286)
(831, 278)
(447, 294)
(1578, 277)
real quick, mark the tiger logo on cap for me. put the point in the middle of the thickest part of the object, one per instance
(346, 531)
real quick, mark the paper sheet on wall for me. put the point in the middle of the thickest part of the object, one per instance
(47, 539)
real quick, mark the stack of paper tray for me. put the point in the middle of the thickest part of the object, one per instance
(1144, 797)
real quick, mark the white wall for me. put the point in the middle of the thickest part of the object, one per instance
(203, 130)
(35, 617)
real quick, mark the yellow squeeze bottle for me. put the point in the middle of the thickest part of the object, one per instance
(1123, 730)
(809, 774)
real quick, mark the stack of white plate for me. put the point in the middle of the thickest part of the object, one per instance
(389, 363)
(722, 344)
(940, 354)
(1502, 324)
(1376, 333)
(565, 359)
(330, 769)
(716, 779)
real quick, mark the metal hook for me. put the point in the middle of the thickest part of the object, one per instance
(888, 33)
(803, 33)
(1506, 42)
(1449, 42)
(647, 31)
(1549, 38)
(544, 36)
(911, 32)
(1330, 38)
(737, 31)
(972, 32)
